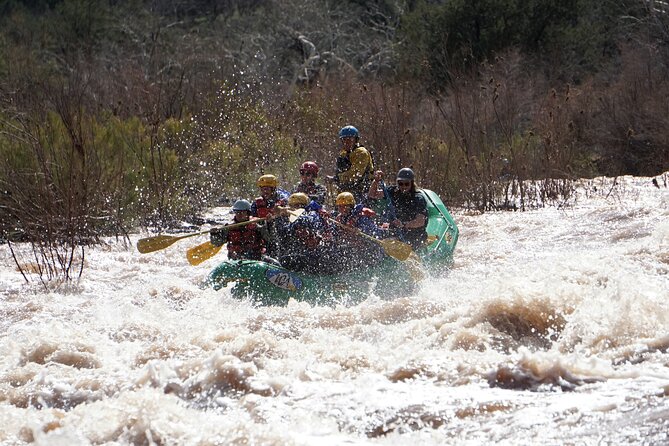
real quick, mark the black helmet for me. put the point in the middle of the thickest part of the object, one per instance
(405, 174)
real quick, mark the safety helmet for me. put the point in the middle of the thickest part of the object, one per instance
(309, 167)
(347, 131)
(298, 199)
(241, 205)
(405, 174)
(345, 198)
(268, 181)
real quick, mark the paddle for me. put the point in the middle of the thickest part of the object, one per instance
(202, 252)
(207, 250)
(393, 247)
(158, 242)
(152, 244)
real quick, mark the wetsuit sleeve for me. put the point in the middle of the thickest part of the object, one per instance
(385, 206)
(360, 161)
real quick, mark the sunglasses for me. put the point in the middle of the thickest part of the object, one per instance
(404, 183)
(307, 174)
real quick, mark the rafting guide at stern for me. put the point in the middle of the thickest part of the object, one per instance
(407, 209)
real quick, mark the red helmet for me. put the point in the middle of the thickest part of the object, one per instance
(309, 167)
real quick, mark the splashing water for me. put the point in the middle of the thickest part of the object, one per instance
(552, 327)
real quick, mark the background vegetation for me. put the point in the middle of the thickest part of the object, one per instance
(117, 114)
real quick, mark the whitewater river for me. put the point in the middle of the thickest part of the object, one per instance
(551, 328)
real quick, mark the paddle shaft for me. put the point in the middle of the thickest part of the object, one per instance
(394, 248)
(158, 242)
(392, 212)
(207, 250)
(241, 223)
(358, 231)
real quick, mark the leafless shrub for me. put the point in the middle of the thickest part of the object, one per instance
(476, 145)
(630, 116)
(55, 180)
(47, 205)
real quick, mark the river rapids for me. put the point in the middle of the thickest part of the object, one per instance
(551, 327)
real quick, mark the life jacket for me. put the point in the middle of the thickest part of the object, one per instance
(349, 220)
(307, 188)
(406, 206)
(356, 252)
(315, 191)
(344, 162)
(359, 185)
(245, 242)
(264, 206)
(361, 218)
(357, 212)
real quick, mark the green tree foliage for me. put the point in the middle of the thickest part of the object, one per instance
(439, 39)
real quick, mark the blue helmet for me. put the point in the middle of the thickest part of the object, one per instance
(241, 205)
(347, 131)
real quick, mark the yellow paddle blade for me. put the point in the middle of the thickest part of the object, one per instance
(431, 239)
(396, 249)
(156, 243)
(202, 252)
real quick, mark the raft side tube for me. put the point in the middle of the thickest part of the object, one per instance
(440, 225)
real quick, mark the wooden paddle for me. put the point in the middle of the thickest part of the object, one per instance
(202, 252)
(152, 244)
(158, 242)
(207, 250)
(393, 247)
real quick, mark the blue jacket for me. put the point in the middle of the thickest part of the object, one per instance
(359, 220)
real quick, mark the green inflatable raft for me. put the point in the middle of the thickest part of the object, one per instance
(269, 284)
